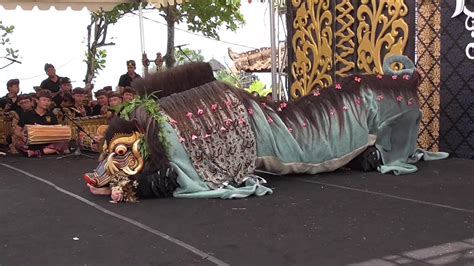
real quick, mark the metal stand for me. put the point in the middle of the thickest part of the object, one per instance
(77, 151)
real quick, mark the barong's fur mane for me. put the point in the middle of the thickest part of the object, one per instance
(330, 100)
(175, 80)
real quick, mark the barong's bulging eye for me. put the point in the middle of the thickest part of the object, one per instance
(121, 150)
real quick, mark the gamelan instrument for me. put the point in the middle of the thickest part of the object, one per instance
(40, 134)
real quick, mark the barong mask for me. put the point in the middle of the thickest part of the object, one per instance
(120, 159)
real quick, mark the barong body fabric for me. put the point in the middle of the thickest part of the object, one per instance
(372, 118)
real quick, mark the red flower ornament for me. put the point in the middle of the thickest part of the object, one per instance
(189, 115)
(214, 107)
(357, 79)
(338, 86)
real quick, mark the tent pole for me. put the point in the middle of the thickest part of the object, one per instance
(140, 17)
(275, 88)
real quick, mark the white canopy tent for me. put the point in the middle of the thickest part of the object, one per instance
(109, 4)
(80, 4)
(76, 4)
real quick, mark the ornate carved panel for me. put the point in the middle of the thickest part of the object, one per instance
(333, 38)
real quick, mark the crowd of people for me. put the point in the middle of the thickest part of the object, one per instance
(54, 101)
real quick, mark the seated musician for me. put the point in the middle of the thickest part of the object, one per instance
(115, 104)
(10, 101)
(128, 94)
(25, 102)
(39, 116)
(64, 88)
(102, 103)
(79, 108)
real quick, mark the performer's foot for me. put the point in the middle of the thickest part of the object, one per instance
(33, 154)
(368, 161)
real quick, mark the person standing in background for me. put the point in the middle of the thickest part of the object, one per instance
(127, 78)
(52, 82)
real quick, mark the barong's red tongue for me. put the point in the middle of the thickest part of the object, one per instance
(90, 180)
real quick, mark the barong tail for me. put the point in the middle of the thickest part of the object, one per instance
(214, 136)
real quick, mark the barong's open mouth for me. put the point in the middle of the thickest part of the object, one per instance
(122, 159)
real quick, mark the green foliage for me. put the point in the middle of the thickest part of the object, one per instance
(230, 78)
(187, 55)
(97, 37)
(5, 40)
(207, 16)
(240, 80)
(260, 88)
(152, 107)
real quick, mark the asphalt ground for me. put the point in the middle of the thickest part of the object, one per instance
(48, 217)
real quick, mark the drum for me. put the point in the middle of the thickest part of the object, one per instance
(39, 134)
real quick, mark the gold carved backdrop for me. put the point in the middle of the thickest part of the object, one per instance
(428, 48)
(332, 39)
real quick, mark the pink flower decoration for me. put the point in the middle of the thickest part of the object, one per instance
(194, 137)
(200, 111)
(380, 98)
(379, 76)
(228, 122)
(338, 86)
(394, 77)
(270, 120)
(410, 101)
(207, 136)
(305, 125)
(358, 79)
(241, 121)
(214, 107)
(228, 103)
(316, 93)
(333, 112)
(399, 98)
(290, 129)
(406, 77)
(283, 105)
(182, 140)
(173, 122)
(250, 111)
(345, 108)
(189, 115)
(223, 129)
